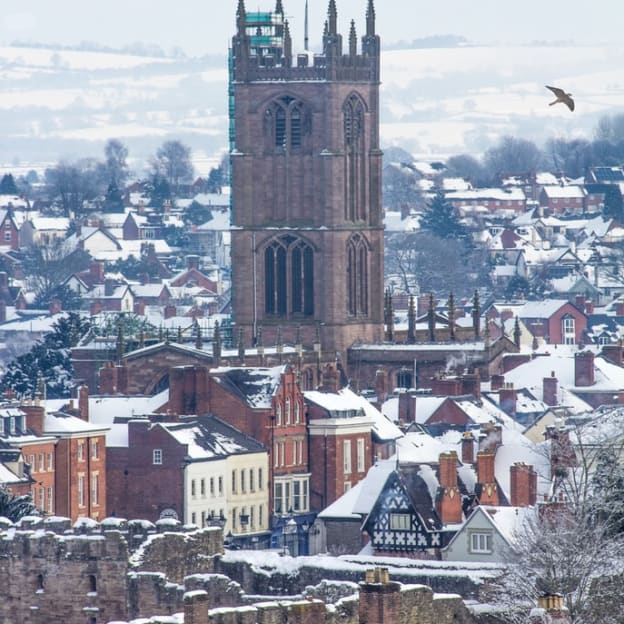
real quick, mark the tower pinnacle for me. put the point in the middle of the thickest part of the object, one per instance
(352, 39)
(370, 18)
(241, 17)
(332, 18)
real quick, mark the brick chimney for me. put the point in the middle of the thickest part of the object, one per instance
(380, 598)
(407, 408)
(83, 402)
(195, 607)
(579, 301)
(96, 272)
(107, 383)
(381, 386)
(487, 490)
(109, 287)
(507, 399)
(331, 380)
(448, 499)
(619, 308)
(170, 311)
(550, 389)
(584, 369)
(468, 448)
(448, 386)
(35, 415)
(614, 353)
(192, 262)
(589, 307)
(471, 384)
(497, 382)
(523, 485)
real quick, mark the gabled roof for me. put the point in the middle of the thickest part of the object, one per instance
(542, 309)
(508, 522)
(416, 491)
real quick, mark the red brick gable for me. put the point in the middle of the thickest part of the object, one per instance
(449, 413)
(196, 277)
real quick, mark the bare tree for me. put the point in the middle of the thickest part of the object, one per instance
(513, 155)
(116, 154)
(74, 184)
(173, 162)
(48, 265)
(575, 545)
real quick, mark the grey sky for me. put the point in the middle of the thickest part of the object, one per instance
(205, 26)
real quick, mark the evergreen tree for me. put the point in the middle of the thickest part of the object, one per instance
(50, 358)
(7, 185)
(113, 201)
(440, 219)
(159, 191)
(15, 507)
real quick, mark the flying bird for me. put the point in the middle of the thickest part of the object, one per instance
(562, 96)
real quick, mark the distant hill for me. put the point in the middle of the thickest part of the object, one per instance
(446, 98)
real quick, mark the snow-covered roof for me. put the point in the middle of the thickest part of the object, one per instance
(220, 222)
(564, 192)
(60, 423)
(487, 194)
(541, 309)
(608, 377)
(211, 438)
(256, 386)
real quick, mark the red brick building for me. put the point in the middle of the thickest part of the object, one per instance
(266, 404)
(80, 464)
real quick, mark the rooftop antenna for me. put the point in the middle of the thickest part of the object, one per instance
(305, 28)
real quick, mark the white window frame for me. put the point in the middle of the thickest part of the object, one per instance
(95, 489)
(157, 457)
(568, 330)
(480, 542)
(346, 450)
(361, 450)
(81, 491)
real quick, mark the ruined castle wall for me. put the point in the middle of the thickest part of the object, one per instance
(50, 578)
(180, 554)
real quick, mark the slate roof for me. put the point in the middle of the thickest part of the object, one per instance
(254, 386)
(210, 438)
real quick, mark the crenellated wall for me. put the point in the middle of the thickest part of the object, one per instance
(51, 571)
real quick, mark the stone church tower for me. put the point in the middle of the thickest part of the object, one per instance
(307, 238)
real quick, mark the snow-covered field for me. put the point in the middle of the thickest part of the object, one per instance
(435, 102)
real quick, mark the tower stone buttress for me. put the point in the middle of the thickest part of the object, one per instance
(307, 237)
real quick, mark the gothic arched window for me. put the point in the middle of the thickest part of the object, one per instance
(353, 112)
(357, 276)
(285, 122)
(289, 277)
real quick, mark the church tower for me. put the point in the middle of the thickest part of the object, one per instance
(307, 236)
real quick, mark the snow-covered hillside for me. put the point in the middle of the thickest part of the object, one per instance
(435, 102)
